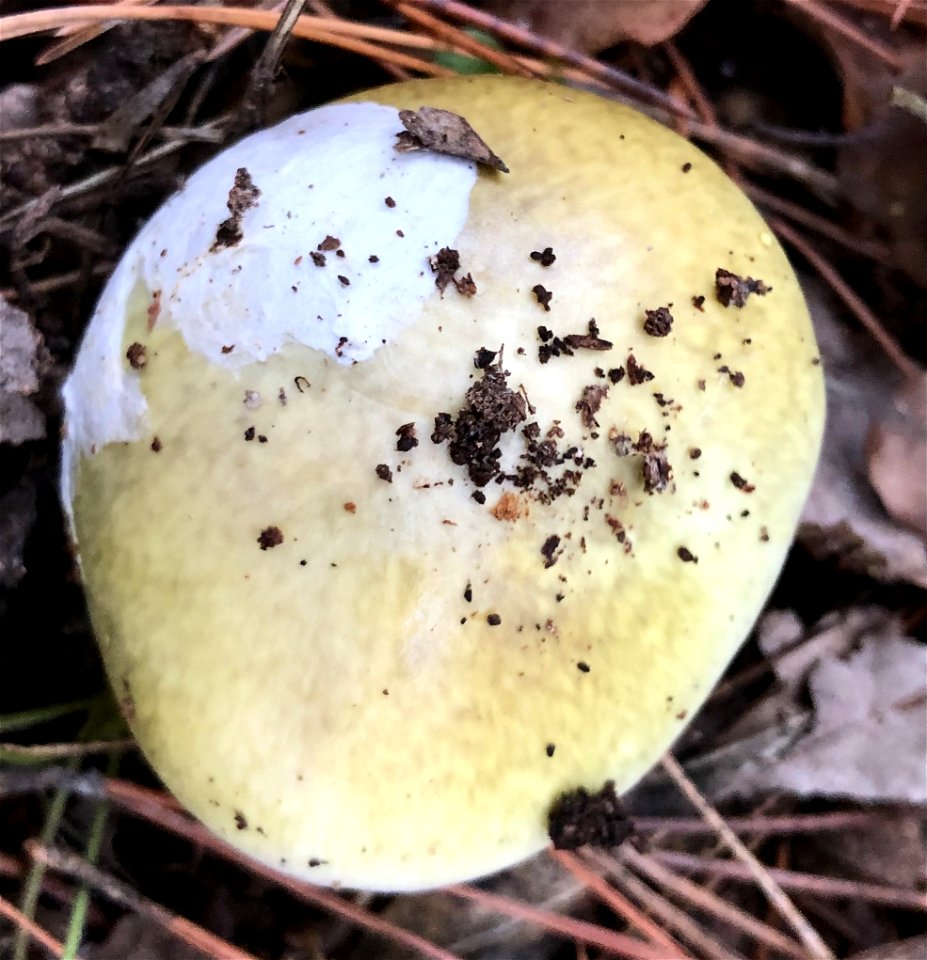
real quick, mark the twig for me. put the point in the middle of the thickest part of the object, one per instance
(454, 35)
(512, 33)
(62, 861)
(96, 180)
(30, 928)
(898, 11)
(336, 33)
(852, 300)
(711, 903)
(57, 751)
(769, 826)
(613, 898)
(809, 937)
(55, 131)
(266, 67)
(821, 13)
(160, 810)
(667, 913)
(617, 943)
(866, 248)
(830, 887)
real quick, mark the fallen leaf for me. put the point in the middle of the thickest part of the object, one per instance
(20, 344)
(593, 25)
(441, 131)
(844, 518)
(897, 456)
(868, 739)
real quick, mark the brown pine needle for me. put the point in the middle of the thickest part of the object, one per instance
(809, 937)
(822, 14)
(512, 33)
(160, 809)
(711, 903)
(461, 40)
(899, 898)
(680, 921)
(609, 940)
(358, 38)
(867, 248)
(31, 928)
(620, 904)
(852, 300)
(898, 11)
(72, 865)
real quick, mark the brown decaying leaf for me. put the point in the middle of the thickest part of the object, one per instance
(441, 131)
(20, 346)
(593, 25)
(843, 518)
(896, 451)
(869, 735)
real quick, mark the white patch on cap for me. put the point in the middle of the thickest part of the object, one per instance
(326, 173)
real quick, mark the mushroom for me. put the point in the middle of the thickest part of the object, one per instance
(412, 494)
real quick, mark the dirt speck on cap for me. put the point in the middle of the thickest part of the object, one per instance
(658, 323)
(545, 257)
(243, 196)
(508, 507)
(137, 355)
(733, 290)
(270, 537)
(579, 818)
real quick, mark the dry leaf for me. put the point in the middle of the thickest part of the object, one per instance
(843, 517)
(897, 455)
(20, 343)
(868, 740)
(593, 25)
(441, 131)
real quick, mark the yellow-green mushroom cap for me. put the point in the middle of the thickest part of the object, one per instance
(375, 654)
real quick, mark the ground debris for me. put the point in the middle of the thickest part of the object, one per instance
(441, 131)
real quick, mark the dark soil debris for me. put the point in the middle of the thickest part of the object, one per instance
(490, 409)
(588, 405)
(549, 550)
(658, 323)
(741, 483)
(270, 537)
(384, 472)
(243, 196)
(543, 296)
(545, 257)
(137, 355)
(733, 290)
(637, 374)
(407, 439)
(579, 818)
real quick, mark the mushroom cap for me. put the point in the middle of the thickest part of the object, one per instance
(381, 682)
